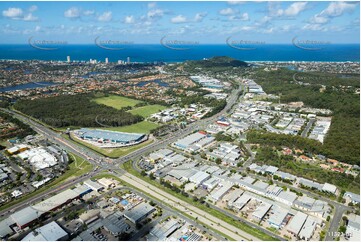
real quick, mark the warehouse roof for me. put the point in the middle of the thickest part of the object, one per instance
(49, 232)
(55, 201)
(139, 211)
(329, 188)
(163, 230)
(218, 194)
(288, 196)
(308, 228)
(277, 216)
(190, 139)
(182, 173)
(297, 222)
(199, 177)
(25, 216)
(242, 200)
(261, 210)
(111, 135)
(5, 227)
(115, 223)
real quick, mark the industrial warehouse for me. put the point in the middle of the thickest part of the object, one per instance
(29, 215)
(109, 139)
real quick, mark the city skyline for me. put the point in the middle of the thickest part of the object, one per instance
(200, 22)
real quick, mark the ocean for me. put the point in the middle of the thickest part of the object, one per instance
(158, 52)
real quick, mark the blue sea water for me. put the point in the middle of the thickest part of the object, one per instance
(29, 85)
(151, 53)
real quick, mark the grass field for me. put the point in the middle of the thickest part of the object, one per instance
(146, 111)
(109, 152)
(116, 102)
(76, 169)
(141, 127)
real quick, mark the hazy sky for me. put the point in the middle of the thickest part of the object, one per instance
(204, 22)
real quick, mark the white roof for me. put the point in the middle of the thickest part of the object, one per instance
(199, 177)
(216, 195)
(211, 182)
(288, 196)
(297, 222)
(242, 201)
(49, 232)
(261, 210)
(190, 139)
(93, 185)
(271, 169)
(308, 228)
(277, 216)
(5, 227)
(25, 216)
(329, 188)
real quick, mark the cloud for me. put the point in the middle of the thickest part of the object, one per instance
(235, 2)
(105, 17)
(129, 19)
(199, 17)
(88, 12)
(179, 19)
(228, 11)
(336, 9)
(13, 13)
(155, 13)
(313, 27)
(242, 17)
(152, 5)
(30, 17)
(72, 13)
(33, 8)
(293, 10)
(333, 10)
(318, 19)
(19, 14)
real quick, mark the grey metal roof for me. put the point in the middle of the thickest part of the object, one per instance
(111, 135)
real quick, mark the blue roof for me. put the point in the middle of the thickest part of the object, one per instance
(110, 135)
(124, 202)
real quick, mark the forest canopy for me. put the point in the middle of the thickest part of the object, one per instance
(75, 110)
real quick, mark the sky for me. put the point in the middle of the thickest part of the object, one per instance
(202, 22)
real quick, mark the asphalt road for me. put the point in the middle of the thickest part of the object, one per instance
(307, 128)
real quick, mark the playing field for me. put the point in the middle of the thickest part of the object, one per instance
(116, 102)
(148, 110)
